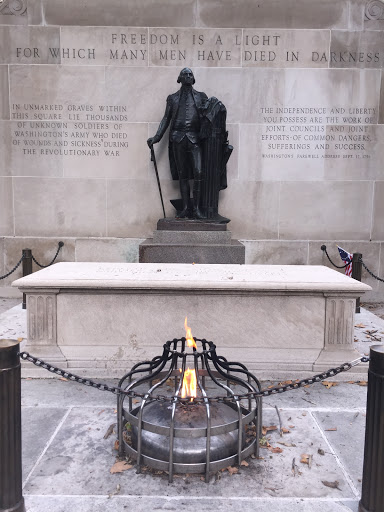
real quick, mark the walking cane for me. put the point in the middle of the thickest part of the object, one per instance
(153, 159)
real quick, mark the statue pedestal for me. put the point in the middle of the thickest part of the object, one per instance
(191, 241)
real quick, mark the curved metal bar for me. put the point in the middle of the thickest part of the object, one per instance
(142, 405)
(172, 425)
(238, 405)
(209, 420)
(242, 369)
(135, 369)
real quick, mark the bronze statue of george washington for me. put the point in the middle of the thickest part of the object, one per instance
(191, 118)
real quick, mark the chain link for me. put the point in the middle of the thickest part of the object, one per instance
(164, 398)
(324, 248)
(53, 261)
(369, 271)
(14, 268)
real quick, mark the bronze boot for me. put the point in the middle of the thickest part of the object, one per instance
(197, 213)
(185, 192)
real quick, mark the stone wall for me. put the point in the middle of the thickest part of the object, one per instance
(83, 84)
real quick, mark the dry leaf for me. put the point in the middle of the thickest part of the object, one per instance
(244, 463)
(268, 429)
(305, 458)
(109, 430)
(63, 379)
(20, 339)
(362, 383)
(232, 470)
(291, 426)
(303, 413)
(288, 445)
(285, 430)
(120, 466)
(116, 445)
(332, 429)
(332, 485)
(275, 449)
(329, 384)
(360, 326)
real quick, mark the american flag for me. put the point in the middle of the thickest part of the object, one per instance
(347, 258)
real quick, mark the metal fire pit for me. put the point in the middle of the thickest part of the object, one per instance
(189, 435)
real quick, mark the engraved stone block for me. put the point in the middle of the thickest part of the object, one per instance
(6, 207)
(106, 45)
(4, 93)
(320, 210)
(273, 13)
(29, 45)
(195, 47)
(59, 206)
(378, 211)
(285, 48)
(360, 49)
(135, 13)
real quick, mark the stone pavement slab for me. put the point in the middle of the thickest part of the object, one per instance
(39, 424)
(350, 425)
(78, 460)
(181, 504)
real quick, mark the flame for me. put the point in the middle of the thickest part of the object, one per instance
(188, 335)
(189, 384)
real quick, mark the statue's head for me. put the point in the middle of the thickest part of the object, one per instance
(186, 77)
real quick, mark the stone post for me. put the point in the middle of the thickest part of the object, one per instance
(11, 497)
(372, 496)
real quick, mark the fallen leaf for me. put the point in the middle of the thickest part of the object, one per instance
(285, 430)
(288, 445)
(332, 429)
(244, 463)
(116, 445)
(101, 412)
(232, 470)
(20, 339)
(360, 326)
(329, 384)
(332, 485)
(362, 383)
(268, 429)
(109, 430)
(63, 379)
(306, 459)
(120, 466)
(291, 426)
(303, 413)
(275, 449)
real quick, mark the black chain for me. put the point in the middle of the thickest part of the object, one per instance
(49, 264)
(370, 272)
(324, 248)
(14, 268)
(163, 398)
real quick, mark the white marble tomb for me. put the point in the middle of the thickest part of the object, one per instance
(98, 319)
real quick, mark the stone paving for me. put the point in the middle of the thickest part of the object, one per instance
(67, 461)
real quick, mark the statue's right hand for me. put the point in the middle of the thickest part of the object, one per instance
(151, 141)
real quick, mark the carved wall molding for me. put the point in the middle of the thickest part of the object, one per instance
(374, 10)
(339, 322)
(13, 7)
(41, 311)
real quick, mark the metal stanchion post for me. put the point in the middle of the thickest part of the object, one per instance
(372, 496)
(356, 273)
(11, 496)
(27, 269)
